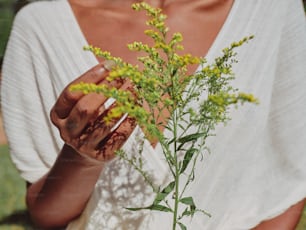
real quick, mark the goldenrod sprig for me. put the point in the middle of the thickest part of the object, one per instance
(196, 104)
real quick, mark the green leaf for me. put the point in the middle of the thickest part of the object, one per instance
(137, 209)
(186, 212)
(182, 126)
(191, 137)
(188, 201)
(183, 227)
(159, 207)
(161, 195)
(171, 141)
(187, 158)
(192, 208)
(156, 207)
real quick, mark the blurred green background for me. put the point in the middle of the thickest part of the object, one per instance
(13, 215)
(7, 10)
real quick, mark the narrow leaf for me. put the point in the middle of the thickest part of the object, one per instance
(183, 227)
(189, 201)
(191, 137)
(187, 158)
(192, 208)
(159, 207)
(186, 212)
(161, 195)
(171, 141)
(137, 209)
(156, 207)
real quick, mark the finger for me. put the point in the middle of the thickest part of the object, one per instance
(98, 130)
(106, 149)
(87, 109)
(68, 99)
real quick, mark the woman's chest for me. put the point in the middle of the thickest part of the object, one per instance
(112, 29)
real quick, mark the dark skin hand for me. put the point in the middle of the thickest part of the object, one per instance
(53, 201)
(61, 195)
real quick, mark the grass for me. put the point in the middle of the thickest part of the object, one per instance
(302, 224)
(6, 18)
(13, 215)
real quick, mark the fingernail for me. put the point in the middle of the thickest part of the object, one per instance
(109, 64)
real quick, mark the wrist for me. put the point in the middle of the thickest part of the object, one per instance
(70, 154)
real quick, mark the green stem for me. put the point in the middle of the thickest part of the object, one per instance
(177, 175)
(176, 198)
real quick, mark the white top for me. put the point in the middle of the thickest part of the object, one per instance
(256, 168)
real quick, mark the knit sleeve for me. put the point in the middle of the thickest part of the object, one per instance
(25, 120)
(288, 108)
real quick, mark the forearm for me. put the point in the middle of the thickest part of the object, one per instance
(285, 221)
(61, 195)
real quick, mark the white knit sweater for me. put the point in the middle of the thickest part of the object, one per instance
(256, 168)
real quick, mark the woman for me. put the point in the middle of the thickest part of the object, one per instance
(71, 183)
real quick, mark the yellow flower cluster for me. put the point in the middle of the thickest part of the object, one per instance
(162, 84)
